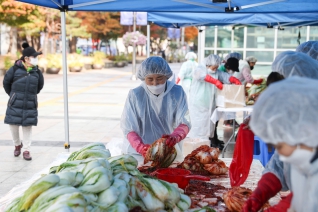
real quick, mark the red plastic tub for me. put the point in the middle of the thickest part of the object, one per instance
(179, 176)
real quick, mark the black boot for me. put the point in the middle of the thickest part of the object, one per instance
(215, 142)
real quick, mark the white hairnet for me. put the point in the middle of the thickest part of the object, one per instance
(310, 48)
(212, 60)
(290, 63)
(251, 59)
(191, 56)
(154, 65)
(287, 112)
(235, 55)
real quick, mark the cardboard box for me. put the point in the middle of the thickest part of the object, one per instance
(231, 96)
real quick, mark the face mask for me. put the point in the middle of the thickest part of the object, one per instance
(251, 67)
(300, 159)
(34, 61)
(231, 72)
(211, 71)
(157, 89)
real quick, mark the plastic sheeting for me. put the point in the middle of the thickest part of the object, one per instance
(154, 65)
(310, 48)
(290, 63)
(293, 102)
(185, 75)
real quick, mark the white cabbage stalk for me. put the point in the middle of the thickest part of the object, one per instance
(123, 163)
(51, 194)
(70, 178)
(118, 207)
(151, 202)
(93, 153)
(13, 206)
(132, 203)
(96, 180)
(37, 188)
(123, 189)
(184, 203)
(124, 176)
(108, 197)
(95, 145)
(90, 197)
(75, 201)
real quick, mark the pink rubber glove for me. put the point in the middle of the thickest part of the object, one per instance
(257, 82)
(214, 81)
(178, 80)
(235, 81)
(136, 142)
(268, 186)
(178, 135)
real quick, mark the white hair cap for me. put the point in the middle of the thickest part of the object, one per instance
(287, 112)
(154, 65)
(191, 56)
(290, 63)
(310, 48)
(251, 59)
(233, 54)
(212, 60)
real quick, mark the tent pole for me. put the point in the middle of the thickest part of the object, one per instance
(65, 91)
(148, 39)
(133, 77)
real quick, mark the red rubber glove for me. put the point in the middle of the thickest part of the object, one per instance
(282, 206)
(178, 135)
(268, 186)
(214, 81)
(178, 80)
(235, 81)
(136, 142)
(257, 82)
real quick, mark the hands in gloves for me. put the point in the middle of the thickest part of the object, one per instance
(235, 81)
(178, 135)
(257, 82)
(268, 186)
(136, 142)
(178, 80)
(214, 81)
(282, 206)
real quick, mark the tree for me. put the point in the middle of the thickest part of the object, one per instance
(157, 35)
(191, 33)
(14, 14)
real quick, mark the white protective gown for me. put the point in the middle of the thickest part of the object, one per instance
(185, 75)
(202, 102)
(151, 116)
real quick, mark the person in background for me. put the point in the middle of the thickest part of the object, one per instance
(22, 83)
(286, 64)
(245, 75)
(206, 80)
(310, 48)
(157, 108)
(230, 55)
(185, 73)
(294, 102)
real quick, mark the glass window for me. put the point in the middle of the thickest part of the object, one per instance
(222, 53)
(289, 38)
(209, 36)
(224, 36)
(260, 37)
(313, 33)
(238, 37)
(261, 56)
(208, 52)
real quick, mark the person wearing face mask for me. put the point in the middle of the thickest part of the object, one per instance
(157, 108)
(185, 73)
(206, 80)
(245, 68)
(310, 48)
(286, 64)
(294, 102)
(22, 83)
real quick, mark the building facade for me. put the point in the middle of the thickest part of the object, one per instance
(262, 42)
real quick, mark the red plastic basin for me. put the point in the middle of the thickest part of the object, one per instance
(179, 176)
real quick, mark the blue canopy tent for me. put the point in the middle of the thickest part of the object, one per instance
(177, 20)
(193, 6)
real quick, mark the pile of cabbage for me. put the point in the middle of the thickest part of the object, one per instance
(92, 180)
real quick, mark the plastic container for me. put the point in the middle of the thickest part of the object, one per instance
(179, 176)
(262, 151)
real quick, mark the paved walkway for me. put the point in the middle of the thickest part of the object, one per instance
(96, 101)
